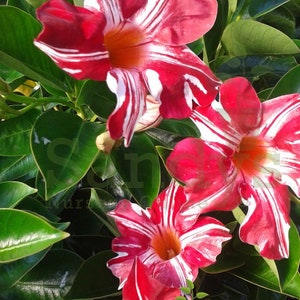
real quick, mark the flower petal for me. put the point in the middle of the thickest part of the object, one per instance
(177, 77)
(131, 218)
(131, 103)
(281, 128)
(151, 118)
(242, 104)
(72, 37)
(165, 208)
(210, 178)
(203, 242)
(215, 127)
(110, 9)
(267, 221)
(141, 286)
(177, 22)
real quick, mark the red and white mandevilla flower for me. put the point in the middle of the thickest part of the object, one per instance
(171, 247)
(138, 47)
(248, 151)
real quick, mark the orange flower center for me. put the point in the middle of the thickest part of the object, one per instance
(166, 244)
(125, 45)
(251, 155)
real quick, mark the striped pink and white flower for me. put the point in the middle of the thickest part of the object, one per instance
(138, 47)
(248, 151)
(171, 247)
(141, 286)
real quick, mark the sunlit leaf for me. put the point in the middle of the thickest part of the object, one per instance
(23, 234)
(249, 37)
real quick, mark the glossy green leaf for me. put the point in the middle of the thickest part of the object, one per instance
(98, 97)
(18, 51)
(212, 38)
(260, 7)
(103, 166)
(257, 271)
(23, 5)
(288, 268)
(15, 134)
(64, 151)
(15, 167)
(281, 19)
(23, 234)
(288, 84)
(41, 208)
(50, 279)
(12, 192)
(11, 272)
(248, 37)
(100, 203)
(139, 168)
(94, 279)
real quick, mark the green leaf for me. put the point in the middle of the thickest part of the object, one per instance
(254, 67)
(288, 84)
(23, 234)
(98, 97)
(281, 19)
(36, 3)
(13, 271)
(248, 37)
(260, 7)
(201, 295)
(94, 279)
(104, 167)
(138, 165)
(15, 134)
(100, 203)
(64, 151)
(50, 279)
(288, 268)
(18, 51)
(12, 192)
(212, 38)
(14, 167)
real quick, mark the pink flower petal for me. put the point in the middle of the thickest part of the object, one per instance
(267, 221)
(177, 22)
(179, 79)
(215, 129)
(281, 128)
(203, 242)
(66, 30)
(131, 218)
(242, 104)
(110, 9)
(131, 103)
(210, 178)
(141, 286)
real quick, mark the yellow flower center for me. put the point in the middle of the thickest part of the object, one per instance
(251, 155)
(125, 45)
(166, 244)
